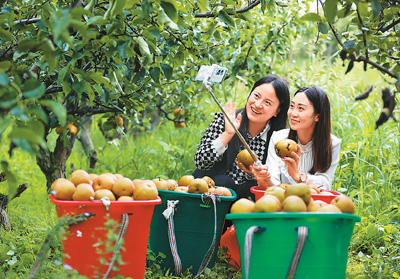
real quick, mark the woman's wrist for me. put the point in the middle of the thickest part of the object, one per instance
(226, 138)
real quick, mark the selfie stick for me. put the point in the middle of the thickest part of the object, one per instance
(253, 155)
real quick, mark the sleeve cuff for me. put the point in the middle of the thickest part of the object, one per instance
(219, 146)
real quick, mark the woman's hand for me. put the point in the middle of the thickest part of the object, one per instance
(261, 174)
(243, 167)
(293, 164)
(227, 135)
(230, 109)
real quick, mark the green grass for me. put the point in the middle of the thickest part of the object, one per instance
(368, 172)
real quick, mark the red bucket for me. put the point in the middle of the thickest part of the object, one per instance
(259, 191)
(84, 243)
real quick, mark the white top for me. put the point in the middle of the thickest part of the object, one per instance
(278, 169)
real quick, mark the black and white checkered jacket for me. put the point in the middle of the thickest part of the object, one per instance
(213, 156)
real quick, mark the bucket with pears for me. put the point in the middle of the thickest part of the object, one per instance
(187, 225)
(92, 206)
(290, 232)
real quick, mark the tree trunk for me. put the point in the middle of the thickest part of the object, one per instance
(4, 220)
(53, 163)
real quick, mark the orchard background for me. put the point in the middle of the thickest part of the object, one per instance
(90, 62)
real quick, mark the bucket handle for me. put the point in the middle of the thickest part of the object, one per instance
(302, 233)
(247, 246)
(118, 244)
(206, 200)
(169, 215)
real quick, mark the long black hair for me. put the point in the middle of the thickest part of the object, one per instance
(276, 123)
(322, 143)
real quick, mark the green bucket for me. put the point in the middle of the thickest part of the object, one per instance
(277, 236)
(193, 224)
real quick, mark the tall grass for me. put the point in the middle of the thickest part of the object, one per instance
(368, 171)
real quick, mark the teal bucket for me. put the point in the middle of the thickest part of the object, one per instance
(193, 226)
(270, 250)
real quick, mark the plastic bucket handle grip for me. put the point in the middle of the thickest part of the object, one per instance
(302, 233)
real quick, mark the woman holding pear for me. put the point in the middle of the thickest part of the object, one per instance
(265, 112)
(318, 150)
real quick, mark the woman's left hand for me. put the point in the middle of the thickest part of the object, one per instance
(293, 163)
(243, 167)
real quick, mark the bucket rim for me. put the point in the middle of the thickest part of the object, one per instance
(193, 195)
(261, 189)
(292, 215)
(98, 202)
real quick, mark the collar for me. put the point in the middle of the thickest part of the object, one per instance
(263, 134)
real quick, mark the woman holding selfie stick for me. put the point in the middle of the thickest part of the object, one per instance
(264, 113)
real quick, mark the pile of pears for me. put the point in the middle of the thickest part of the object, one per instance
(292, 198)
(190, 184)
(82, 186)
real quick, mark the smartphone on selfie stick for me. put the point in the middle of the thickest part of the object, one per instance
(216, 74)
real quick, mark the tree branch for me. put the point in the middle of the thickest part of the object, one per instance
(384, 29)
(237, 11)
(376, 65)
(27, 21)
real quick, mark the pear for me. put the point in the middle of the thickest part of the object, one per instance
(185, 180)
(104, 193)
(329, 208)
(63, 189)
(294, 204)
(79, 176)
(83, 192)
(267, 203)
(198, 186)
(276, 191)
(245, 158)
(242, 205)
(344, 203)
(285, 147)
(301, 190)
(314, 205)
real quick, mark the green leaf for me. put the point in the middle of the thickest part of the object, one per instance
(170, 10)
(263, 5)
(222, 15)
(203, 5)
(311, 17)
(246, 16)
(99, 78)
(143, 45)
(349, 44)
(179, 58)
(5, 35)
(154, 31)
(40, 113)
(4, 81)
(376, 7)
(33, 89)
(330, 9)
(60, 25)
(4, 123)
(155, 73)
(27, 134)
(167, 69)
(58, 110)
(323, 27)
(26, 45)
(4, 66)
(164, 19)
